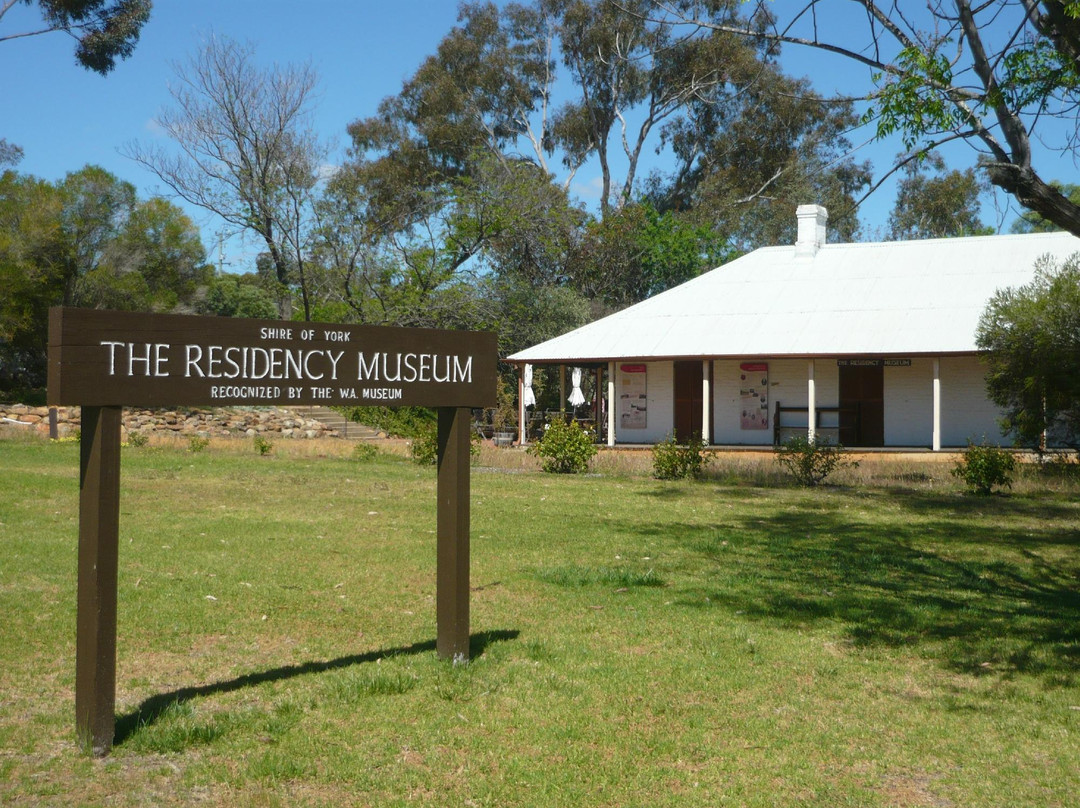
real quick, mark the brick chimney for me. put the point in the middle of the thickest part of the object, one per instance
(812, 219)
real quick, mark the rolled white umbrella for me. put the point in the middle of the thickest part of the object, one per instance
(528, 397)
(577, 398)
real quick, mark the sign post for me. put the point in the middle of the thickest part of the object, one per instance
(99, 537)
(103, 361)
(452, 535)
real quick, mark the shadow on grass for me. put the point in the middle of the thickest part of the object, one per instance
(980, 584)
(154, 707)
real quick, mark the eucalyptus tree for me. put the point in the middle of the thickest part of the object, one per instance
(478, 151)
(995, 75)
(488, 90)
(938, 205)
(104, 30)
(87, 241)
(245, 149)
(743, 167)
(1031, 222)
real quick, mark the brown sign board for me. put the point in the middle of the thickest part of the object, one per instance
(106, 360)
(113, 358)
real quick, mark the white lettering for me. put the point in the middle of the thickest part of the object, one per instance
(293, 363)
(435, 369)
(191, 360)
(307, 371)
(112, 355)
(463, 373)
(235, 367)
(132, 359)
(386, 369)
(333, 362)
(159, 359)
(254, 372)
(371, 371)
(409, 366)
(245, 391)
(382, 393)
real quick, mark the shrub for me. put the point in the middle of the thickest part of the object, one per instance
(263, 446)
(424, 448)
(564, 448)
(137, 439)
(401, 422)
(365, 452)
(982, 467)
(674, 461)
(196, 443)
(810, 462)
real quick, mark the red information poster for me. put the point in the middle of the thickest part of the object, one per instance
(633, 397)
(754, 395)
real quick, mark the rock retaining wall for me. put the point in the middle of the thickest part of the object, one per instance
(188, 421)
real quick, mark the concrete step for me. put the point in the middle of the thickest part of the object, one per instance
(336, 421)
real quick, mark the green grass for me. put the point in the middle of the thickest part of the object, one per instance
(724, 642)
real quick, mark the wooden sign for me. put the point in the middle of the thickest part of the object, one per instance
(105, 360)
(108, 358)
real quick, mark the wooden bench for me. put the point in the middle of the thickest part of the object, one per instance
(833, 431)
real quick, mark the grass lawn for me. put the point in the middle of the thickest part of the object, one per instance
(891, 643)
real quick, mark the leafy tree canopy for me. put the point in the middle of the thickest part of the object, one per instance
(941, 205)
(105, 31)
(995, 75)
(86, 240)
(1032, 334)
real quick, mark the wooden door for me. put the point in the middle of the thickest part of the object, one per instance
(862, 405)
(688, 400)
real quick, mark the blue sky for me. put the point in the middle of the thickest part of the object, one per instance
(65, 117)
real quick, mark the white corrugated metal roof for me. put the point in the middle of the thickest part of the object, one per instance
(883, 298)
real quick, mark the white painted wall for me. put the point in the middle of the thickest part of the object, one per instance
(661, 403)
(909, 404)
(787, 384)
(966, 412)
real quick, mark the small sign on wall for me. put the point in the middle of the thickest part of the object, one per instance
(633, 397)
(754, 395)
(873, 363)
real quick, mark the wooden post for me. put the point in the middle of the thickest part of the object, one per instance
(562, 388)
(99, 532)
(452, 575)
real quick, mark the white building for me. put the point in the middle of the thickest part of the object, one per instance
(866, 344)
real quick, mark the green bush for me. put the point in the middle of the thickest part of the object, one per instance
(564, 448)
(196, 443)
(810, 462)
(138, 439)
(399, 422)
(424, 448)
(364, 452)
(674, 461)
(263, 446)
(982, 467)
